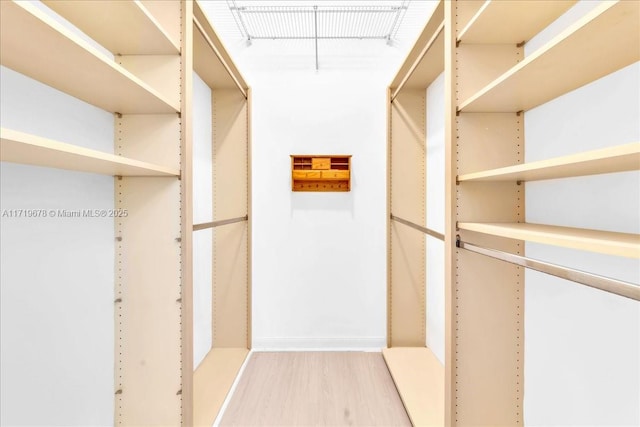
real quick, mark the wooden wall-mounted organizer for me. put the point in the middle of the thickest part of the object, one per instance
(328, 172)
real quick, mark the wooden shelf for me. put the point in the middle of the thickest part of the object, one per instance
(608, 160)
(430, 67)
(212, 381)
(123, 27)
(419, 378)
(603, 41)
(425, 61)
(606, 242)
(18, 147)
(511, 22)
(35, 45)
(210, 58)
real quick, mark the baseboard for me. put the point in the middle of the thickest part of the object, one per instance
(318, 344)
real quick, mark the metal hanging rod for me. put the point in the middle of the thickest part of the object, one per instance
(618, 287)
(219, 223)
(425, 230)
(218, 55)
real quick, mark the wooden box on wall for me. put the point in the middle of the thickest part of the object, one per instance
(330, 172)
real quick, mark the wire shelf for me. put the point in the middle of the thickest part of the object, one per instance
(318, 22)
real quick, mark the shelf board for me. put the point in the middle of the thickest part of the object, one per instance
(419, 378)
(430, 66)
(603, 41)
(621, 158)
(208, 65)
(212, 381)
(606, 242)
(19, 147)
(511, 22)
(425, 60)
(123, 27)
(210, 58)
(34, 44)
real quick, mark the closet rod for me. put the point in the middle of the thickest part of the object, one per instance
(417, 61)
(618, 287)
(215, 224)
(418, 227)
(217, 53)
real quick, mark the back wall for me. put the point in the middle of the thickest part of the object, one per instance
(319, 259)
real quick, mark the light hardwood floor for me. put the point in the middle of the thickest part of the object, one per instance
(315, 389)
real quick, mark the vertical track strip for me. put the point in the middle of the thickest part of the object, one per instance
(214, 135)
(118, 282)
(181, 219)
(247, 142)
(456, 295)
(423, 196)
(519, 272)
(389, 229)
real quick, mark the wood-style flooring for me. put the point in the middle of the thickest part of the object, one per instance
(315, 389)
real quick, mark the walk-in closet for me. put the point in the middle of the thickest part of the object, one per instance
(301, 213)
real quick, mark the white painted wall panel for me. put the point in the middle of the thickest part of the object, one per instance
(56, 273)
(202, 212)
(582, 346)
(435, 175)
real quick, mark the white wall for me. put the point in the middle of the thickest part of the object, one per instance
(582, 346)
(435, 209)
(202, 212)
(319, 259)
(56, 274)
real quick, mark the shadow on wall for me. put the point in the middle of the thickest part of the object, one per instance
(312, 201)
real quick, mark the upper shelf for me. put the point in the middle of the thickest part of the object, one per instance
(34, 44)
(210, 58)
(123, 27)
(606, 242)
(603, 41)
(425, 61)
(608, 160)
(511, 22)
(19, 147)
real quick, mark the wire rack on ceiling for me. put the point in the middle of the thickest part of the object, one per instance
(319, 22)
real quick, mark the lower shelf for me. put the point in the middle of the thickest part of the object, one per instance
(419, 378)
(212, 381)
(20, 147)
